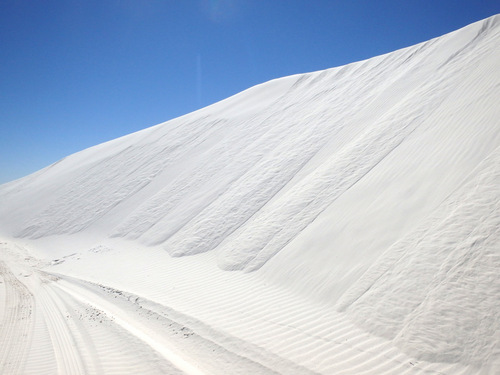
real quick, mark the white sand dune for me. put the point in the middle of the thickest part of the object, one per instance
(345, 221)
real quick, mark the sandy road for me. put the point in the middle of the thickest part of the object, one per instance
(17, 325)
(32, 309)
(63, 336)
(133, 326)
(48, 329)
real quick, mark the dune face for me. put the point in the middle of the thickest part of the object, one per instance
(358, 209)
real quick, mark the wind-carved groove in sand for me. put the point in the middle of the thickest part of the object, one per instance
(17, 325)
(251, 246)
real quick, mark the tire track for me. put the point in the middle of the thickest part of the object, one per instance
(84, 340)
(140, 331)
(17, 325)
(63, 338)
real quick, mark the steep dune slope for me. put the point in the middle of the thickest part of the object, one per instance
(372, 189)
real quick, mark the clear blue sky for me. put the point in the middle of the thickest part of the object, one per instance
(75, 73)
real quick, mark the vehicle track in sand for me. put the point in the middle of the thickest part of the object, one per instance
(63, 337)
(33, 311)
(17, 325)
